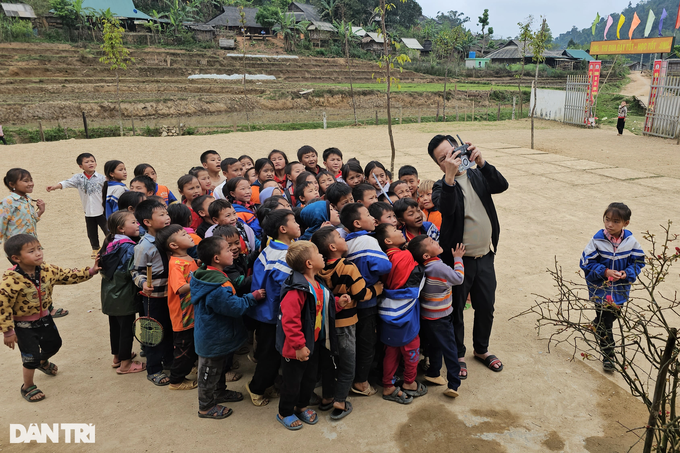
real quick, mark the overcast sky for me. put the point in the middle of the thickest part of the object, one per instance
(504, 14)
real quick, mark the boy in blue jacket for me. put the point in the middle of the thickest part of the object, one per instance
(611, 261)
(412, 220)
(318, 214)
(399, 314)
(270, 270)
(365, 253)
(218, 327)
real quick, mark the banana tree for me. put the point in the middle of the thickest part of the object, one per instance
(180, 12)
(286, 27)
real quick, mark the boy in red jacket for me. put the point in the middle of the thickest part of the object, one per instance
(302, 330)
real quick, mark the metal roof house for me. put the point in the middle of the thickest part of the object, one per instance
(412, 43)
(124, 9)
(511, 53)
(579, 54)
(319, 30)
(373, 42)
(20, 10)
(359, 31)
(230, 19)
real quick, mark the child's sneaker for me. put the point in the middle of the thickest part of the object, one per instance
(608, 364)
(94, 253)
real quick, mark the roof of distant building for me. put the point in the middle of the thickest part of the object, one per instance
(21, 10)
(412, 43)
(231, 17)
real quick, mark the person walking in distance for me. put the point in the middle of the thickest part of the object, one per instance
(623, 114)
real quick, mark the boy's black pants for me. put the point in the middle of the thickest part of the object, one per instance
(184, 355)
(366, 340)
(299, 380)
(37, 340)
(604, 323)
(268, 358)
(91, 224)
(211, 381)
(159, 357)
(480, 283)
(121, 334)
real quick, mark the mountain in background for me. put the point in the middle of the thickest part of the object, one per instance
(585, 35)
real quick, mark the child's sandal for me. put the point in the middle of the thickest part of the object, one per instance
(288, 422)
(307, 415)
(30, 392)
(258, 400)
(48, 368)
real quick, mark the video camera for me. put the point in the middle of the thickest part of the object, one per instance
(464, 155)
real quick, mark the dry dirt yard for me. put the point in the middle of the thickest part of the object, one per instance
(540, 402)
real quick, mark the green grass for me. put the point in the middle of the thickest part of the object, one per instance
(425, 87)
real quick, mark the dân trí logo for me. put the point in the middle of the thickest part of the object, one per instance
(72, 433)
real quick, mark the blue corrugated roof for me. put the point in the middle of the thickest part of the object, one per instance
(119, 8)
(580, 54)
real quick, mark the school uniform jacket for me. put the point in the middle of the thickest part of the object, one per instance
(270, 271)
(399, 311)
(600, 255)
(21, 300)
(248, 217)
(365, 253)
(113, 192)
(297, 318)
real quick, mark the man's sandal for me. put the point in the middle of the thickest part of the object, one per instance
(490, 361)
(30, 392)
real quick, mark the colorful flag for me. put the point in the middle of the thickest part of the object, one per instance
(610, 21)
(622, 19)
(595, 22)
(664, 14)
(677, 19)
(633, 25)
(650, 21)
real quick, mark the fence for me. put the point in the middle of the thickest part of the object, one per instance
(576, 100)
(663, 115)
(259, 119)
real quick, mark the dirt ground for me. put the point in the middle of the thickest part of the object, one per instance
(540, 402)
(638, 87)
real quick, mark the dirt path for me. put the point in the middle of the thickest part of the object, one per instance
(638, 87)
(540, 402)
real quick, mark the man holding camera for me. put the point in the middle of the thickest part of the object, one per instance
(463, 197)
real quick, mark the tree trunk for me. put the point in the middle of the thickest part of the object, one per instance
(446, 78)
(245, 94)
(658, 390)
(386, 48)
(120, 111)
(351, 87)
(533, 86)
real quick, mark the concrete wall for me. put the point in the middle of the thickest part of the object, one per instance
(550, 104)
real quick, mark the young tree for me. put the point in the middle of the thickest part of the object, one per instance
(525, 35)
(538, 46)
(483, 20)
(345, 32)
(388, 61)
(447, 44)
(115, 56)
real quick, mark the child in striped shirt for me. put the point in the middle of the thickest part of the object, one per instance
(436, 327)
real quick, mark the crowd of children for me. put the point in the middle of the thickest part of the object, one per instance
(331, 273)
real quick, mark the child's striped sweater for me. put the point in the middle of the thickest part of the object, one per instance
(435, 297)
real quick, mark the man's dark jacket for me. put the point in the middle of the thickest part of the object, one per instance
(485, 181)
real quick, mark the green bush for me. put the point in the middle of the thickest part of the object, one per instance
(12, 30)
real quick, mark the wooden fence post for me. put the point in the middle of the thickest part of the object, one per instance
(456, 111)
(376, 117)
(437, 116)
(234, 116)
(498, 117)
(87, 133)
(42, 135)
(514, 99)
(473, 110)
(134, 132)
(400, 115)
(418, 116)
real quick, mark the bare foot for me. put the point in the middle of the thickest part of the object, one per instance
(412, 386)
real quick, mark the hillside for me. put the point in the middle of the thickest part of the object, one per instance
(584, 36)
